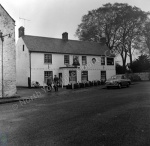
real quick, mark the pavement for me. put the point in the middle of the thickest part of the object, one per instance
(24, 93)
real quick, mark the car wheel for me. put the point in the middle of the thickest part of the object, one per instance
(119, 86)
(128, 84)
(108, 87)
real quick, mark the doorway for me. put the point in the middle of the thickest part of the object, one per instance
(72, 76)
(103, 76)
(60, 79)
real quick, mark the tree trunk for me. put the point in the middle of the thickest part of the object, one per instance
(130, 55)
(124, 65)
(124, 58)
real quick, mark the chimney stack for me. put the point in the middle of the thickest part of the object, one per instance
(21, 31)
(65, 36)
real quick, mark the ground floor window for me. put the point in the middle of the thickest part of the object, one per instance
(47, 74)
(72, 76)
(103, 75)
(84, 76)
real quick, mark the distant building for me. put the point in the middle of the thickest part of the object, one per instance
(71, 60)
(7, 55)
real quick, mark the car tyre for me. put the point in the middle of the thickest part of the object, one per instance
(119, 86)
(128, 84)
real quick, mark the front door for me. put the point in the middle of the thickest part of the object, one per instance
(60, 79)
(103, 75)
(72, 76)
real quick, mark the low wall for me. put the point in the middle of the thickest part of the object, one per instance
(144, 75)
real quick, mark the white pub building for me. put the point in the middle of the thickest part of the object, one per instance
(38, 57)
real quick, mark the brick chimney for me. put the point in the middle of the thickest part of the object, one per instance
(21, 31)
(103, 40)
(65, 36)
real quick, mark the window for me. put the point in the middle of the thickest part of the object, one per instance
(66, 59)
(110, 61)
(76, 60)
(84, 76)
(47, 58)
(23, 47)
(102, 60)
(72, 76)
(84, 60)
(47, 74)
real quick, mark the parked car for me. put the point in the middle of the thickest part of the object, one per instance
(118, 81)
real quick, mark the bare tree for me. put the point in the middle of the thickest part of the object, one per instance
(121, 24)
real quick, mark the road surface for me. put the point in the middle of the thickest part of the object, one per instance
(86, 117)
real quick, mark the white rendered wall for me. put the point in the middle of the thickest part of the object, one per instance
(94, 70)
(38, 66)
(22, 64)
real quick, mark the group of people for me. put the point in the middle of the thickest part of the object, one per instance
(51, 82)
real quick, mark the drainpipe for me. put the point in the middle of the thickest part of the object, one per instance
(2, 70)
(30, 67)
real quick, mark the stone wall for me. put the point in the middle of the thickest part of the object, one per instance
(7, 26)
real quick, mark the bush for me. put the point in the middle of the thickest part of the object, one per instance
(87, 84)
(81, 85)
(102, 82)
(69, 86)
(149, 76)
(91, 83)
(99, 82)
(95, 83)
(133, 77)
(76, 86)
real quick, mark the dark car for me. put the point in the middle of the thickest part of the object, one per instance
(118, 81)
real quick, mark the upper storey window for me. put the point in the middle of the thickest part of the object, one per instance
(110, 61)
(47, 58)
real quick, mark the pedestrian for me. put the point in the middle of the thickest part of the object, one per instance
(49, 83)
(56, 83)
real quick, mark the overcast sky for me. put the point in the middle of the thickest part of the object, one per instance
(50, 18)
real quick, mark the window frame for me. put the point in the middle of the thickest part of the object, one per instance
(103, 75)
(49, 59)
(103, 62)
(108, 61)
(48, 74)
(84, 75)
(67, 60)
(84, 60)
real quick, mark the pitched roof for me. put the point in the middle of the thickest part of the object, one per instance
(53, 45)
(7, 12)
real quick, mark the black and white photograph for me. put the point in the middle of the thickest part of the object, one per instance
(75, 73)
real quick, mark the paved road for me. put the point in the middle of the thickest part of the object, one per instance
(87, 117)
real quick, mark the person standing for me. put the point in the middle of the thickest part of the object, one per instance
(56, 83)
(49, 83)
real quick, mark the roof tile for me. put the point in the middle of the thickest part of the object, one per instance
(53, 45)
